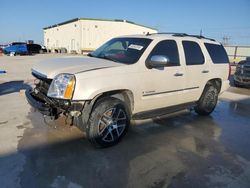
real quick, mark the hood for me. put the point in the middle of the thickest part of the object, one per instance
(52, 67)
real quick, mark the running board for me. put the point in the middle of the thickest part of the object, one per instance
(162, 111)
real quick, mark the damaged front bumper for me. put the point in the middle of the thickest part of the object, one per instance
(53, 107)
(38, 104)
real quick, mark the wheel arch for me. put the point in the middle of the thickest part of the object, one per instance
(216, 82)
(124, 95)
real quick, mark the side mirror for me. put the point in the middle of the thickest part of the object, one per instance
(157, 61)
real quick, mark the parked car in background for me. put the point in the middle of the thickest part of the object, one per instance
(242, 73)
(22, 49)
(34, 48)
(19, 49)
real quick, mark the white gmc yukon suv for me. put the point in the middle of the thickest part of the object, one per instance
(131, 77)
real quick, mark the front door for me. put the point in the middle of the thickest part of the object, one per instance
(162, 87)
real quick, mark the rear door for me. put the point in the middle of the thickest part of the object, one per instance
(219, 61)
(197, 70)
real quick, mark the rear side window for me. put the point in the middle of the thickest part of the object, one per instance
(193, 53)
(167, 48)
(217, 53)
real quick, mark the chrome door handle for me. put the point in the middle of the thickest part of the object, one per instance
(178, 74)
(205, 71)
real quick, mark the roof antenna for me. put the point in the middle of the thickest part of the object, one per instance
(201, 33)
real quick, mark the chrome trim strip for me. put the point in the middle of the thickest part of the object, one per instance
(164, 92)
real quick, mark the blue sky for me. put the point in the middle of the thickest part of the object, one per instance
(22, 20)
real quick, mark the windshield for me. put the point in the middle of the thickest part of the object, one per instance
(123, 50)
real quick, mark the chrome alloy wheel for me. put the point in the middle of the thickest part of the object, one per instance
(112, 124)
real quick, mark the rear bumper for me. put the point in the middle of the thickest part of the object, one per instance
(224, 86)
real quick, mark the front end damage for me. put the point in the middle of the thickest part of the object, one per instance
(47, 106)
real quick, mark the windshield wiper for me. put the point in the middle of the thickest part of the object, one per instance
(108, 58)
(103, 57)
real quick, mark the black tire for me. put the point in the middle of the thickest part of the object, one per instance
(207, 101)
(108, 122)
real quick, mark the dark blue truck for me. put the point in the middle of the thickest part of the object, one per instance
(22, 49)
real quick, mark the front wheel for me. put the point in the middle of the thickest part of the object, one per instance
(207, 101)
(108, 123)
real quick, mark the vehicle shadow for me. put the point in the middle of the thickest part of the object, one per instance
(13, 86)
(56, 161)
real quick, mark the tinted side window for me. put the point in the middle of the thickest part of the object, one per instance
(193, 53)
(217, 53)
(167, 48)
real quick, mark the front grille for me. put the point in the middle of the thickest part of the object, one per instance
(42, 85)
(245, 71)
(246, 80)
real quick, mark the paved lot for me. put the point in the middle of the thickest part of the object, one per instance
(181, 150)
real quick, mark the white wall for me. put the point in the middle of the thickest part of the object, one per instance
(67, 36)
(95, 33)
(88, 34)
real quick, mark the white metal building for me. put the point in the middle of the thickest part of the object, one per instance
(86, 34)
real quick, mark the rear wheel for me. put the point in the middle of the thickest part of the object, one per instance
(108, 123)
(207, 101)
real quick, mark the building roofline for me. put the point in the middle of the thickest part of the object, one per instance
(97, 19)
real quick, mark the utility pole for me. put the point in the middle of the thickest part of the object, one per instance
(225, 40)
(201, 32)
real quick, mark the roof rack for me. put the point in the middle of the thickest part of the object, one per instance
(167, 33)
(196, 36)
(183, 35)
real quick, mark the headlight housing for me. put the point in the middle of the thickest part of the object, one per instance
(62, 86)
